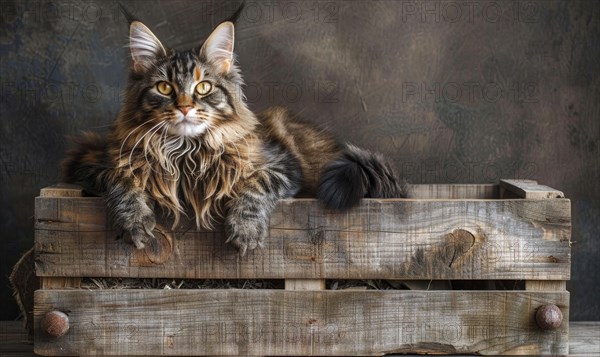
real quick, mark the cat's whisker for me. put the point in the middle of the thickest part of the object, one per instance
(130, 133)
(165, 164)
(148, 142)
(136, 144)
(110, 125)
(102, 126)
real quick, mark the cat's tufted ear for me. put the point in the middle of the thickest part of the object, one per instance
(218, 47)
(145, 47)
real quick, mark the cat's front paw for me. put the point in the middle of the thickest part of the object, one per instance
(246, 234)
(139, 229)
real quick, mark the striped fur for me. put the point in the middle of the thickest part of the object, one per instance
(207, 155)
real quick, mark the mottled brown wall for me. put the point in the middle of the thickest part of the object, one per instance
(452, 91)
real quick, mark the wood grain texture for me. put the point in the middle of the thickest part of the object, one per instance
(382, 239)
(530, 189)
(278, 322)
(454, 191)
(62, 190)
(545, 285)
(60, 283)
(583, 339)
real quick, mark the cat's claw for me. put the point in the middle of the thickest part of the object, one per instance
(243, 244)
(245, 234)
(140, 231)
(141, 238)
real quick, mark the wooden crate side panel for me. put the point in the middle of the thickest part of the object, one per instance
(385, 239)
(454, 191)
(276, 322)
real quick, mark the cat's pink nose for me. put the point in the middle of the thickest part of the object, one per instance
(185, 109)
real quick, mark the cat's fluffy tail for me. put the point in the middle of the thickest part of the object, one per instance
(356, 174)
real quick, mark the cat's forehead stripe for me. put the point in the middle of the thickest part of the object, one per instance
(183, 63)
(197, 73)
(191, 63)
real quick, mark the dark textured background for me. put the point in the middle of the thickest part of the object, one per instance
(453, 92)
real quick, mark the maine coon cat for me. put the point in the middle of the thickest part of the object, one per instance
(185, 141)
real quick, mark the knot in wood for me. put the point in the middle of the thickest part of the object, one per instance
(457, 246)
(549, 317)
(55, 324)
(157, 251)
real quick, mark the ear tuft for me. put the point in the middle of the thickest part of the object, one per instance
(145, 47)
(218, 47)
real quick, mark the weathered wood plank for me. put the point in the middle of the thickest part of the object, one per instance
(60, 283)
(423, 191)
(62, 190)
(546, 285)
(530, 189)
(385, 239)
(278, 322)
(584, 338)
(454, 191)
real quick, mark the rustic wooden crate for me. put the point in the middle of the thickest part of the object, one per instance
(516, 230)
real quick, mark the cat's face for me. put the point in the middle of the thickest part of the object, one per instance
(185, 93)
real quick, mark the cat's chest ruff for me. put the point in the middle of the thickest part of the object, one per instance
(200, 171)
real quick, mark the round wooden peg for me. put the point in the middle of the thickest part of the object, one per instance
(55, 324)
(549, 317)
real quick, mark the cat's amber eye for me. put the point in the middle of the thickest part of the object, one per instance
(164, 88)
(203, 88)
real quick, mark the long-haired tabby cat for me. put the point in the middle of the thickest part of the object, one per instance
(185, 141)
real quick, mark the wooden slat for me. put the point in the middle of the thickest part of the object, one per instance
(454, 191)
(422, 191)
(530, 189)
(545, 285)
(278, 322)
(584, 338)
(304, 284)
(62, 190)
(60, 283)
(383, 239)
